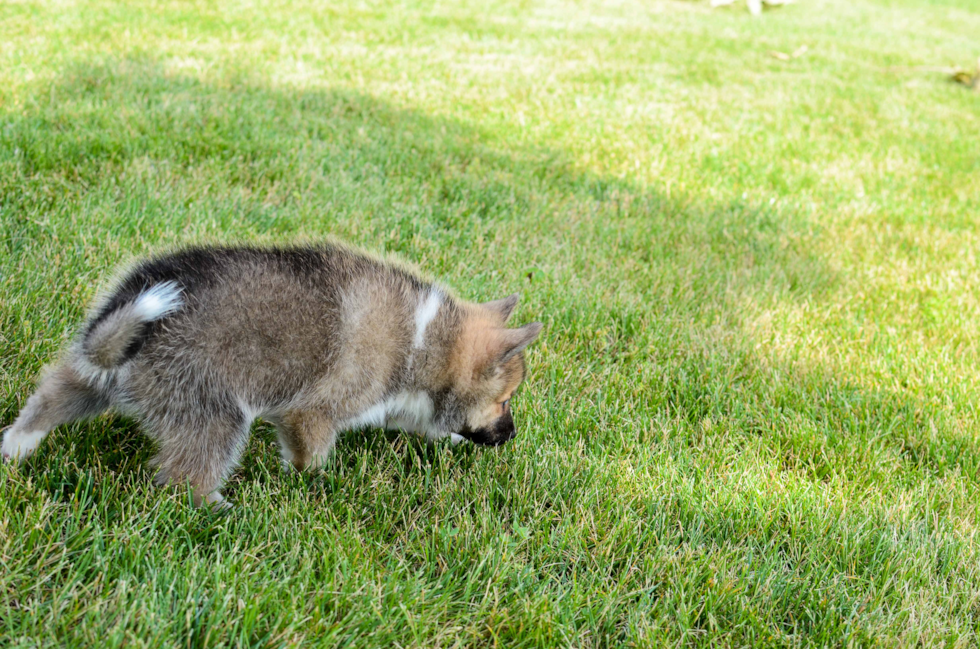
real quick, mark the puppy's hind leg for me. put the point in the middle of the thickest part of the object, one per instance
(61, 397)
(201, 450)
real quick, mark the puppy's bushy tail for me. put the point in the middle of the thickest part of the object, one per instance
(117, 335)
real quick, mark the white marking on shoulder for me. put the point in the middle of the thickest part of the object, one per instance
(158, 301)
(424, 315)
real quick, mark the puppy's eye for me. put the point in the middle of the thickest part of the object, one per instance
(505, 405)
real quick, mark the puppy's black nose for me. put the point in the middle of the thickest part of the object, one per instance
(505, 430)
(501, 431)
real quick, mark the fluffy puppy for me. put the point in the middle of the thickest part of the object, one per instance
(316, 340)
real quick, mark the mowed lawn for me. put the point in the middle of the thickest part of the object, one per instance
(751, 419)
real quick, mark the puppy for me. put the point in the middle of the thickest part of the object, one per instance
(316, 340)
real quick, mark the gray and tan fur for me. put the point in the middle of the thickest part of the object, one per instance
(317, 340)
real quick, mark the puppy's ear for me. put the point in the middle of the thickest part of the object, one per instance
(483, 348)
(503, 308)
(512, 342)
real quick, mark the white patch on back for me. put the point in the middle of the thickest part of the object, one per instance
(158, 301)
(424, 314)
(19, 446)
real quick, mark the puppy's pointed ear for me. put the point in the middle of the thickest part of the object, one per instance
(513, 341)
(482, 349)
(503, 308)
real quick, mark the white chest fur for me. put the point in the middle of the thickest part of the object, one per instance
(411, 411)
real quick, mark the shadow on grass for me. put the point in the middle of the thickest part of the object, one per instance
(624, 276)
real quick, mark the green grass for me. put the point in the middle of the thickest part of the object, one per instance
(751, 419)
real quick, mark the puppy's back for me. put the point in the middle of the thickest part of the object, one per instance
(267, 322)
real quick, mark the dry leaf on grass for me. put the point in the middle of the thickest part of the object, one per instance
(783, 56)
(969, 79)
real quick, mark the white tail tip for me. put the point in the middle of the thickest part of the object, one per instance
(158, 301)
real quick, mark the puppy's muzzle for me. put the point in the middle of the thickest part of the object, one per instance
(502, 430)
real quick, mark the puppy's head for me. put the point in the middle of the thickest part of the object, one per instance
(487, 367)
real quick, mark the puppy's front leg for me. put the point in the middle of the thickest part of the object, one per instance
(306, 438)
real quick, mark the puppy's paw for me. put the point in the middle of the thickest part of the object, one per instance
(220, 506)
(216, 502)
(18, 446)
